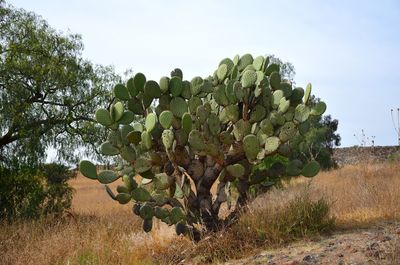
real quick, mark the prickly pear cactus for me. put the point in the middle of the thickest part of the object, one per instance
(177, 138)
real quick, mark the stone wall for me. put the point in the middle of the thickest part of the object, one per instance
(357, 154)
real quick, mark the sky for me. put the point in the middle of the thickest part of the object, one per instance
(348, 50)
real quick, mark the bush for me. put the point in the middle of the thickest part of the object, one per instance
(34, 192)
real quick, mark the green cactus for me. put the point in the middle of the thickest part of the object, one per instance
(178, 106)
(187, 122)
(121, 92)
(188, 135)
(123, 198)
(107, 176)
(175, 86)
(152, 89)
(251, 146)
(103, 117)
(168, 138)
(138, 81)
(88, 169)
(318, 109)
(151, 121)
(249, 78)
(108, 149)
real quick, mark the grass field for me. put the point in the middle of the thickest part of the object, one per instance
(100, 231)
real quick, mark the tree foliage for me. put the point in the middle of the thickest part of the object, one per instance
(48, 92)
(27, 192)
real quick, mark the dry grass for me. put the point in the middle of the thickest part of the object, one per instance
(99, 231)
(362, 194)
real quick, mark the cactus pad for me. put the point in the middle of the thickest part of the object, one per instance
(318, 109)
(108, 149)
(271, 144)
(307, 93)
(152, 89)
(214, 124)
(251, 146)
(136, 106)
(142, 165)
(275, 80)
(244, 61)
(123, 198)
(121, 92)
(103, 117)
(128, 153)
(222, 72)
(167, 138)
(88, 169)
(178, 107)
(294, 167)
(164, 84)
(241, 128)
(166, 119)
(311, 169)
(196, 140)
(175, 86)
(150, 122)
(131, 87)
(139, 80)
(187, 122)
(302, 112)
(236, 170)
(249, 78)
(107, 176)
(134, 137)
(127, 117)
(258, 62)
(141, 195)
(288, 131)
(146, 140)
(177, 73)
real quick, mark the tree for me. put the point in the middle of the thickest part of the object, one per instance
(32, 193)
(48, 92)
(200, 133)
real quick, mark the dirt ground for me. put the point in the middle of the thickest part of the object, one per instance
(379, 244)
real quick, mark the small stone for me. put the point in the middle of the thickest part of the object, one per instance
(340, 255)
(373, 246)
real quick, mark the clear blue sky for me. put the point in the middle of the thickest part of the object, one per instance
(350, 52)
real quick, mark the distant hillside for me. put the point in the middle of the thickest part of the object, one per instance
(356, 154)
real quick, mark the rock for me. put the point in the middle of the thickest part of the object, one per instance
(373, 246)
(310, 259)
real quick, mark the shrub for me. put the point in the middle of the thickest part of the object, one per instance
(189, 136)
(34, 192)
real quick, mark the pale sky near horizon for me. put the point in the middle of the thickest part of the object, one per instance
(348, 50)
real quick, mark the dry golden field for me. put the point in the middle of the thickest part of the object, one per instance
(100, 231)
